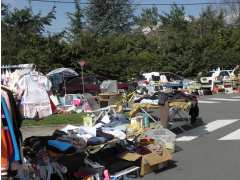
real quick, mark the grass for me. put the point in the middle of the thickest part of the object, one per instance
(56, 119)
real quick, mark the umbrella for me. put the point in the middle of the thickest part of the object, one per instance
(62, 73)
(66, 72)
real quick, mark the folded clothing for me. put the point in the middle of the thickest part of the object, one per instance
(116, 120)
(61, 146)
(80, 130)
(96, 141)
(116, 133)
(100, 133)
(58, 133)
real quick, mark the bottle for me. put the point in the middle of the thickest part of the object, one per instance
(88, 121)
(146, 121)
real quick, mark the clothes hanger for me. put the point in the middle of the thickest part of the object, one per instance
(34, 72)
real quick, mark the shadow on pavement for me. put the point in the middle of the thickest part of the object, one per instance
(178, 149)
(188, 127)
(170, 165)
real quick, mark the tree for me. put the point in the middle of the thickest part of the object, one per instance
(174, 41)
(148, 18)
(22, 36)
(175, 19)
(109, 17)
(76, 24)
(184, 44)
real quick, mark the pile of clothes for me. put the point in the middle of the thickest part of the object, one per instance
(97, 150)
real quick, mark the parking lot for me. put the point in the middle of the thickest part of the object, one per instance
(209, 151)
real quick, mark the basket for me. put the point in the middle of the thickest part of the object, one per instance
(164, 135)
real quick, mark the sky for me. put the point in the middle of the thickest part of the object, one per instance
(62, 22)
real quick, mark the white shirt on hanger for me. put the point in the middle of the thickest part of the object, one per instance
(35, 101)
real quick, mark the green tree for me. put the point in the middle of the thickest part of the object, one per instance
(174, 40)
(109, 17)
(181, 43)
(148, 18)
(22, 36)
(76, 23)
(175, 19)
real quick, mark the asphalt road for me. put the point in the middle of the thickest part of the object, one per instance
(210, 151)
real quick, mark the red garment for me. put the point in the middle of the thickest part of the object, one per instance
(9, 143)
(53, 107)
(215, 89)
(4, 151)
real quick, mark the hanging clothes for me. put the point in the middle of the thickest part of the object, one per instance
(9, 122)
(4, 151)
(9, 142)
(12, 73)
(6, 97)
(35, 102)
(15, 112)
(11, 137)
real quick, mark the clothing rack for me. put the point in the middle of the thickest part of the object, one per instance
(19, 66)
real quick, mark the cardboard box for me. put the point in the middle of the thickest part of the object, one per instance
(149, 162)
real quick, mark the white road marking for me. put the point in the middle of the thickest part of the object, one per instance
(186, 138)
(207, 102)
(224, 99)
(238, 97)
(235, 135)
(205, 129)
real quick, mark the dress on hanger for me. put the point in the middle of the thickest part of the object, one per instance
(35, 102)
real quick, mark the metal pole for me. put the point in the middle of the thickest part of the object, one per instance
(64, 86)
(82, 79)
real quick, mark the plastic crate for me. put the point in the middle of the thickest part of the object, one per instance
(165, 135)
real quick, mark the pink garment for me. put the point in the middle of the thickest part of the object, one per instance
(106, 175)
(76, 102)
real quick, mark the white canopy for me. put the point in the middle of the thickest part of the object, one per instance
(66, 72)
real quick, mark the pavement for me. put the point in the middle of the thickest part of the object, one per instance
(210, 151)
(39, 130)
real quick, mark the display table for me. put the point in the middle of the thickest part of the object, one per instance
(106, 99)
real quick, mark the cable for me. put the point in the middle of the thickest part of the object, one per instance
(144, 4)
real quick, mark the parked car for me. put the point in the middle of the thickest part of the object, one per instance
(174, 81)
(171, 80)
(215, 76)
(225, 75)
(206, 80)
(91, 85)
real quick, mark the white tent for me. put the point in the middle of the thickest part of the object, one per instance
(60, 74)
(66, 72)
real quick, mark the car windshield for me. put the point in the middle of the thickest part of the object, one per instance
(224, 73)
(172, 77)
(209, 74)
